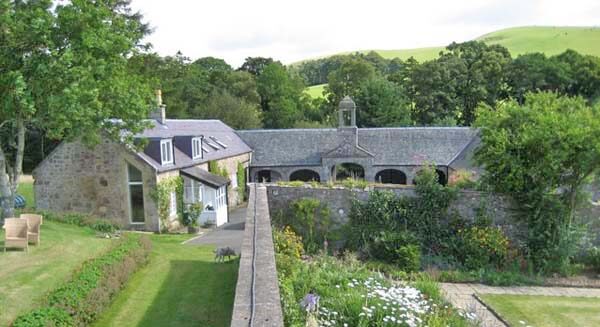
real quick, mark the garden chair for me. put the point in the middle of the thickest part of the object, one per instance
(33, 230)
(15, 235)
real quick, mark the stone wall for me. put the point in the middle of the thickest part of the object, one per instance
(93, 181)
(233, 198)
(267, 301)
(339, 201)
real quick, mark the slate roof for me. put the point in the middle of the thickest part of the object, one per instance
(389, 146)
(187, 127)
(204, 176)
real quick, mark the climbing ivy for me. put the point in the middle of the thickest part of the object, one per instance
(161, 194)
(241, 180)
(216, 169)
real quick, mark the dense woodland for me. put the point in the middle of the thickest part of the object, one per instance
(444, 91)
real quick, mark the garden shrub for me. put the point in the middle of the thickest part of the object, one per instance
(45, 317)
(311, 220)
(95, 283)
(462, 179)
(480, 247)
(592, 258)
(400, 248)
(102, 225)
(287, 242)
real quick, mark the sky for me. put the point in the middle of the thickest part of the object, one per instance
(290, 31)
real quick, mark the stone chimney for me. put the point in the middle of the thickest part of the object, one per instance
(159, 114)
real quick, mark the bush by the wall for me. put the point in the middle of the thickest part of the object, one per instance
(399, 248)
(91, 287)
(480, 247)
(103, 225)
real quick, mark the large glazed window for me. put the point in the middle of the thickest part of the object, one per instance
(136, 195)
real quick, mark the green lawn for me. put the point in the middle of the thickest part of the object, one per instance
(316, 91)
(25, 189)
(26, 277)
(540, 311)
(182, 286)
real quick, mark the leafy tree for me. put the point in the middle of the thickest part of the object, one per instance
(535, 72)
(234, 111)
(64, 69)
(347, 79)
(382, 103)
(256, 65)
(541, 154)
(282, 97)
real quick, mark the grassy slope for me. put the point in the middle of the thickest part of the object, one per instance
(26, 277)
(546, 310)
(316, 91)
(181, 286)
(550, 40)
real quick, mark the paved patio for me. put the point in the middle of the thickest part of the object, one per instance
(461, 296)
(230, 234)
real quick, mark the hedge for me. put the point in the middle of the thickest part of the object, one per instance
(103, 225)
(79, 301)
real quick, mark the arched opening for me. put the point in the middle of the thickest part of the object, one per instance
(347, 170)
(267, 176)
(391, 176)
(305, 175)
(442, 179)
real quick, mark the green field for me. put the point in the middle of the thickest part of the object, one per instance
(26, 276)
(550, 40)
(316, 91)
(558, 311)
(181, 286)
(26, 190)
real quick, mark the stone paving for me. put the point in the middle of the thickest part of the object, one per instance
(230, 234)
(461, 296)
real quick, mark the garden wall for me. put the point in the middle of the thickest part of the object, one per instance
(267, 304)
(339, 201)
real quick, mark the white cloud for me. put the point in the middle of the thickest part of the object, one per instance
(295, 30)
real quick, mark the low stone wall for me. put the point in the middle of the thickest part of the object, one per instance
(499, 208)
(267, 302)
(339, 201)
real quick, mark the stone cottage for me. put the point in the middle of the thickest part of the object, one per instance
(112, 180)
(385, 155)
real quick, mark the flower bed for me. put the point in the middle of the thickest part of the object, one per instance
(79, 301)
(351, 295)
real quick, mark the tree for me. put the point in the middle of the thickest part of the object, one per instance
(346, 80)
(256, 65)
(535, 72)
(382, 103)
(282, 97)
(64, 70)
(541, 154)
(233, 111)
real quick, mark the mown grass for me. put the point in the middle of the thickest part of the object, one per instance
(25, 277)
(25, 189)
(181, 286)
(523, 310)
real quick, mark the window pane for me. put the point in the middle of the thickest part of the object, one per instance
(134, 174)
(136, 194)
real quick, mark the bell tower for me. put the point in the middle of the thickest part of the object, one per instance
(347, 113)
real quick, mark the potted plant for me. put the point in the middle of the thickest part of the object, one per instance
(191, 217)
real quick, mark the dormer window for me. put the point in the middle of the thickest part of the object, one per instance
(166, 152)
(197, 148)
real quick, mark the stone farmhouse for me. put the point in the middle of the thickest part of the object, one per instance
(385, 155)
(113, 180)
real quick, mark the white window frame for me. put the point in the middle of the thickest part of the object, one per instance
(129, 184)
(233, 179)
(220, 197)
(166, 151)
(197, 148)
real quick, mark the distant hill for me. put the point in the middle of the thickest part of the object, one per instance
(550, 40)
